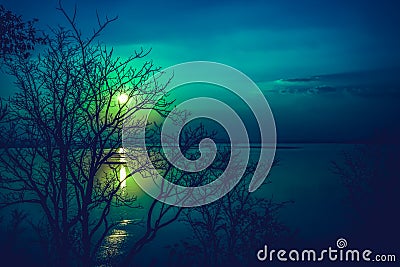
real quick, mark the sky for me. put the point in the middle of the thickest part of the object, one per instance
(327, 68)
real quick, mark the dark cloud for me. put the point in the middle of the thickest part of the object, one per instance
(306, 79)
(372, 84)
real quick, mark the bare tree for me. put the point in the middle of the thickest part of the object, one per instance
(11, 235)
(369, 173)
(228, 230)
(64, 123)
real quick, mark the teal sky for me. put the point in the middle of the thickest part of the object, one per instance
(328, 68)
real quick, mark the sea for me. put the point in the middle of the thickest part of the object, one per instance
(317, 208)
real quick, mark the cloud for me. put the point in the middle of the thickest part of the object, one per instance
(305, 79)
(317, 90)
(369, 84)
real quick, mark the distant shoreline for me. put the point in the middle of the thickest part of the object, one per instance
(282, 145)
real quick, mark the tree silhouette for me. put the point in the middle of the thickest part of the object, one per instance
(229, 230)
(17, 37)
(65, 123)
(62, 125)
(370, 176)
(225, 231)
(10, 241)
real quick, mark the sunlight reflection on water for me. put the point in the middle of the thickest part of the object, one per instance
(112, 247)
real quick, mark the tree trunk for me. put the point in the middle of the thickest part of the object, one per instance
(64, 210)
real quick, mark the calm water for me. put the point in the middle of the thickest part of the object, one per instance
(304, 175)
(319, 211)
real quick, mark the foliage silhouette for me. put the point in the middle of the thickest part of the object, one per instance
(17, 37)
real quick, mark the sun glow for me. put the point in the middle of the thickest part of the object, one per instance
(123, 98)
